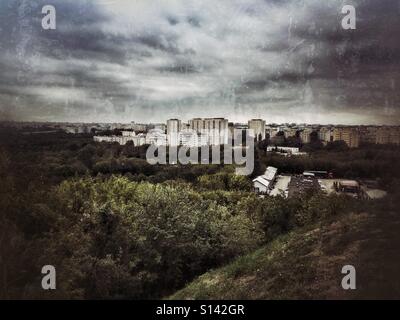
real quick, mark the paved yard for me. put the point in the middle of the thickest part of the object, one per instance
(281, 185)
(327, 185)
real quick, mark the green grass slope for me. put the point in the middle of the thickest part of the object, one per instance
(307, 263)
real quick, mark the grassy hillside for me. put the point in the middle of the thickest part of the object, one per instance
(306, 264)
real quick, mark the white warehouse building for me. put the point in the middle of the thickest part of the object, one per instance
(263, 184)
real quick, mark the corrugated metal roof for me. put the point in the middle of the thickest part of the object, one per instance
(270, 173)
(263, 181)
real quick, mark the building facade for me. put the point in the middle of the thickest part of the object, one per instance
(325, 135)
(305, 135)
(347, 134)
(258, 127)
(216, 129)
(174, 126)
(387, 135)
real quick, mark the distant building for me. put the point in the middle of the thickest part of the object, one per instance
(290, 132)
(138, 140)
(325, 135)
(215, 128)
(387, 135)
(349, 135)
(160, 126)
(271, 131)
(286, 150)
(379, 135)
(368, 134)
(189, 138)
(216, 131)
(128, 133)
(174, 126)
(258, 127)
(305, 135)
(282, 149)
(110, 139)
(156, 137)
(138, 127)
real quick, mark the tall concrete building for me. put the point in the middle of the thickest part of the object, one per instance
(188, 138)
(368, 134)
(174, 126)
(258, 127)
(347, 134)
(379, 135)
(290, 132)
(388, 135)
(216, 129)
(305, 135)
(325, 135)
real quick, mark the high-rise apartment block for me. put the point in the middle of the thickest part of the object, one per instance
(347, 134)
(388, 135)
(216, 129)
(305, 135)
(174, 126)
(325, 135)
(258, 127)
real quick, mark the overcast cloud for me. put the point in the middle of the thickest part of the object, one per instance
(137, 60)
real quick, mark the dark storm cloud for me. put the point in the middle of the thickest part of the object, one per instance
(150, 60)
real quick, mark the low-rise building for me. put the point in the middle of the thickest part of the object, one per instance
(138, 140)
(263, 184)
(128, 133)
(282, 149)
(139, 127)
(156, 137)
(289, 151)
(349, 187)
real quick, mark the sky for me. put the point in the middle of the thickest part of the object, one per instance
(151, 60)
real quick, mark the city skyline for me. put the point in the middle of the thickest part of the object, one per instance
(186, 121)
(282, 61)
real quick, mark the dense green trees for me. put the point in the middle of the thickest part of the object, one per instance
(110, 237)
(150, 238)
(116, 227)
(224, 181)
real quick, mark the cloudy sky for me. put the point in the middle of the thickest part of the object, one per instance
(150, 60)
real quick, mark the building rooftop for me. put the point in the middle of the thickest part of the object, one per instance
(349, 183)
(262, 180)
(270, 173)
